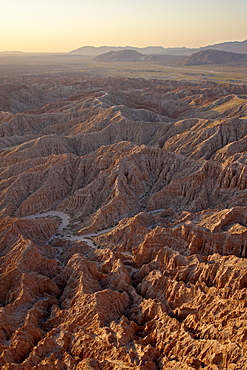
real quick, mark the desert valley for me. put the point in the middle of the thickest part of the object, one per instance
(123, 214)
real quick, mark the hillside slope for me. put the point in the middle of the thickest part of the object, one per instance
(120, 56)
(123, 225)
(215, 57)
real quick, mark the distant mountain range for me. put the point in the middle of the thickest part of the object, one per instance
(12, 52)
(204, 57)
(233, 46)
(94, 51)
(135, 56)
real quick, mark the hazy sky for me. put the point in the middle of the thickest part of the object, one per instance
(64, 25)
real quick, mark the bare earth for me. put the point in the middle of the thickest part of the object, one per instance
(123, 223)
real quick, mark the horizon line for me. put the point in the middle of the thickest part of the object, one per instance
(116, 46)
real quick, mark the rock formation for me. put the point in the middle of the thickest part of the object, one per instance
(123, 227)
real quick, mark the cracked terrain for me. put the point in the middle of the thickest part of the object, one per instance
(123, 224)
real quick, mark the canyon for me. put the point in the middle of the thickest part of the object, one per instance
(123, 223)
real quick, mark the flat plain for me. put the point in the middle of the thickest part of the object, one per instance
(24, 63)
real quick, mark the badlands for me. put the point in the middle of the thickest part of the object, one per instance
(123, 227)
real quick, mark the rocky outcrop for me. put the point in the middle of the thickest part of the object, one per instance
(120, 180)
(98, 311)
(123, 224)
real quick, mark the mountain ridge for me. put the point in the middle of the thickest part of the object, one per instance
(203, 57)
(123, 223)
(231, 46)
(213, 56)
(127, 55)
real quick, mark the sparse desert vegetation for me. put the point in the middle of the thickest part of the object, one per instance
(171, 67)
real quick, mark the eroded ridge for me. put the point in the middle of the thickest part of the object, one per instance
(123, 228)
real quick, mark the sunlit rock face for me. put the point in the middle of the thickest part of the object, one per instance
(123, 227)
